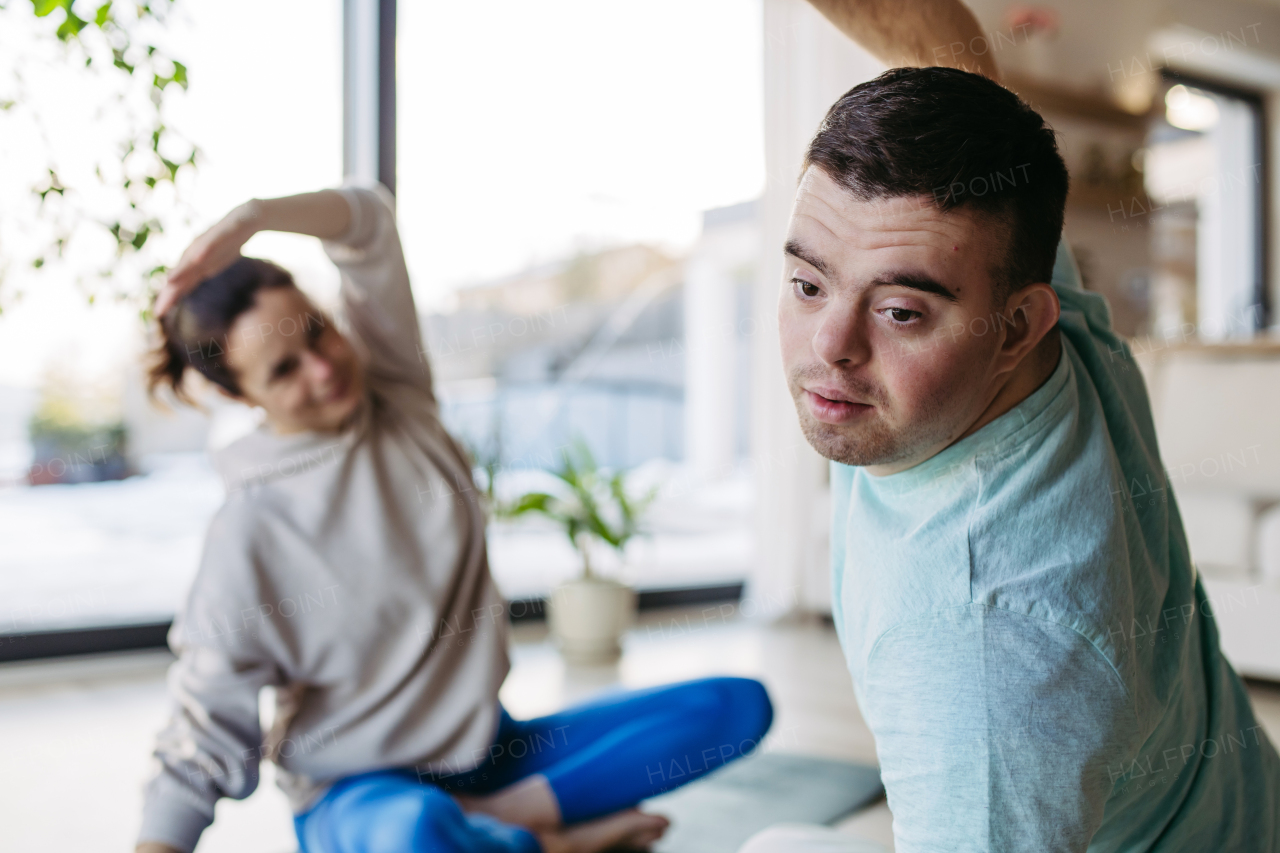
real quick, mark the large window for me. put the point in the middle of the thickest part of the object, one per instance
(112, 532)
(555, 162)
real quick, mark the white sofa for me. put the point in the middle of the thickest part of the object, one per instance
(1217, 412)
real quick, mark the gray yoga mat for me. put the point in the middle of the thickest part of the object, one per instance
(720, 812)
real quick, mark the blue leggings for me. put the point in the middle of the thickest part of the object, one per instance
(599, 758)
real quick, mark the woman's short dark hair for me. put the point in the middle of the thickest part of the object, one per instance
(963, 141)
(194, 331)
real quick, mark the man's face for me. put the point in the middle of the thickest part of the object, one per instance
(888, 328)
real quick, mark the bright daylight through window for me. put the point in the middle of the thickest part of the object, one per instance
(549, 275)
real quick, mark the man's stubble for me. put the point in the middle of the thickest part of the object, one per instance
(876, 441)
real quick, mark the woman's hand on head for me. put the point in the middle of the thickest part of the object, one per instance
(209, 254)
(324, 214)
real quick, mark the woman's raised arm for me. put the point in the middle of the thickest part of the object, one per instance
(377, 301)
(324, 214)
(357, 226)
(914, 33)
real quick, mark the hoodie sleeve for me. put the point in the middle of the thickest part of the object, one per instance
(376, 298)
(212, 745)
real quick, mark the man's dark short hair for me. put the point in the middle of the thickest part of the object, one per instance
(962, 140)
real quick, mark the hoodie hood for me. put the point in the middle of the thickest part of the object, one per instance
(264, 456)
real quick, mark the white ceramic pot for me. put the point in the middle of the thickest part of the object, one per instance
(588, 616)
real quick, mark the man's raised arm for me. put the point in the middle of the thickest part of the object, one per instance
(918, 33)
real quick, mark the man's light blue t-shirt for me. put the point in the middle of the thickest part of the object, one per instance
(1025, 632)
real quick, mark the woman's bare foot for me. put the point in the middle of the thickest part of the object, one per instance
(529, 803)
(625, 830)
(532, 804)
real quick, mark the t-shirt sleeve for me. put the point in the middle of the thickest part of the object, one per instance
(995, 731)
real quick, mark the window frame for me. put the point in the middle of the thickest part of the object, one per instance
(1262, 262)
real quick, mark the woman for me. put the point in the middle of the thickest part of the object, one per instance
(347, 570)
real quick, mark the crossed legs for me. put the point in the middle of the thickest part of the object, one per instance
(563, 783)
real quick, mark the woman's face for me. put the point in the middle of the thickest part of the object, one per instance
(289, 359)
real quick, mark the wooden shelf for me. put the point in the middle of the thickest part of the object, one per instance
(1096, 106)
(1126, 206)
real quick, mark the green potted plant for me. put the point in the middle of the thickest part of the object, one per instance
(587, 615)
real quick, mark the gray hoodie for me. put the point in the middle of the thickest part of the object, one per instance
(346, 570)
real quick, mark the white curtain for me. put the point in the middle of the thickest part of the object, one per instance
(808, 65)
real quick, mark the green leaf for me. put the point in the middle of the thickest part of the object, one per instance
(531, 502)
(103, 15)
(38, 263)
(44, 7)
(72, 26)
(179, 74)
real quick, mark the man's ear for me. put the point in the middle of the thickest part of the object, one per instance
(1028, 316)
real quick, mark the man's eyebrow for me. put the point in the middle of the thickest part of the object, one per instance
(795, 250)
(915, 282)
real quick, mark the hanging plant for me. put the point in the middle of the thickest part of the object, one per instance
(108, 220)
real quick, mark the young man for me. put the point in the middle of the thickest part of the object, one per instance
(1026, 636)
